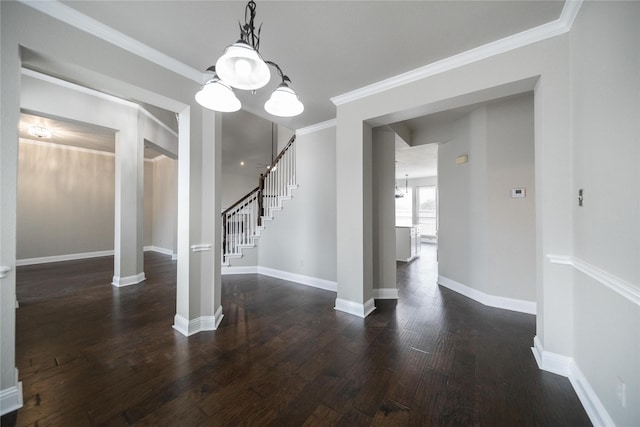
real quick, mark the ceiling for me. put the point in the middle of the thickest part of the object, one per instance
(74, 134)
(416, 162)
(327, 48)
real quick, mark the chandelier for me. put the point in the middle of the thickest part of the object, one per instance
(241, 67)
(399, 194)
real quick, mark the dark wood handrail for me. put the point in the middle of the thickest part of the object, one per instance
(275, 161)
(259, 191)
(284, 150)
(241, 200)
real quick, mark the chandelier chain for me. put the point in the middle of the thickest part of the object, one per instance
(248, 30)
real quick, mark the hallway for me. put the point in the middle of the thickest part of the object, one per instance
(92, 354)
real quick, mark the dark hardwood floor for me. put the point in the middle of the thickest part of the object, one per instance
(92, 354)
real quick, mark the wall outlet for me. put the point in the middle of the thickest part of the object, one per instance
(621, 391)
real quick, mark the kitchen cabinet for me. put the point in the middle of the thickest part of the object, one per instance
(407, 243)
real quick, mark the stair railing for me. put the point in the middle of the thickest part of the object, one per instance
(240, 221)
(279, 179)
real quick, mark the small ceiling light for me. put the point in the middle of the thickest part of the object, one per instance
(39, 132)
(241, 66)
(241, 163)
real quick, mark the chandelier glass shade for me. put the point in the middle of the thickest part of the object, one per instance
(284, 102)
(216, 95)
(241, 67)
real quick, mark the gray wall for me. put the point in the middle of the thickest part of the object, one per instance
(487, 238)
(148, 203)
(302, 238)
(605, 83)
(65, 201)
(165, 204)
(511, 221)
(454, 192)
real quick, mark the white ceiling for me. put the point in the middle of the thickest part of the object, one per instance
(67, 132)
(327, 48)
(74, 134)
(416, 162)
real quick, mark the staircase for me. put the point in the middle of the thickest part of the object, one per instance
(245, 219)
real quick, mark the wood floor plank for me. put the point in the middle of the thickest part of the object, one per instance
(91, 354)
(322, 416)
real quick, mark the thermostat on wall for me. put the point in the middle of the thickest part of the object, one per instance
(517, 192)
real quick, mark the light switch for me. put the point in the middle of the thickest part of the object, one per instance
(518, 193)
(460, 160)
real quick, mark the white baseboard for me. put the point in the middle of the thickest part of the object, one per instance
(567, 367)
(11, 398)
(408, 260)
(238, 270)
(86, 255)
(301, 279)
(159, 250)
(315, 282)
(119, 282)
(354, 308)
(551, 362)
(385, 293)
(58, 258)
(512, 304)
(200, 324)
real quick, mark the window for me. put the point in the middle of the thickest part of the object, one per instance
(404, 208)
(427, 210)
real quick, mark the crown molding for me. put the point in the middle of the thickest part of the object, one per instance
(70, 16)
(317, 127)
(559, 26)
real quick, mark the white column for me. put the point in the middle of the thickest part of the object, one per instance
(10, 387)
(384, 214)
(198, 304)
(129, 205)
(354, 217)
